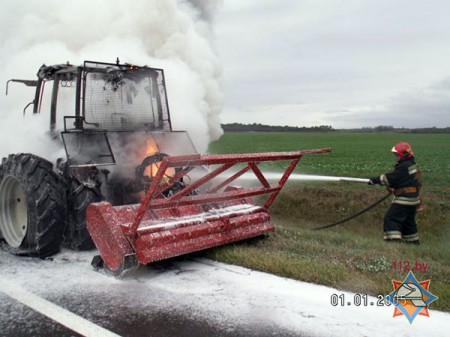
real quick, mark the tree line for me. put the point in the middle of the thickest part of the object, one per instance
(238, 127)
(257, 127)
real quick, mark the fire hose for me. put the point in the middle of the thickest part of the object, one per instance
(368, 208)
(306, 177)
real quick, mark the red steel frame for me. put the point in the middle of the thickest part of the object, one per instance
(153, 197)
(102, 217)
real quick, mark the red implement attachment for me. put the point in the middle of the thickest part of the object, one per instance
(167, 225)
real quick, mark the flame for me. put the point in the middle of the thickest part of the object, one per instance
(150, 149)
(154, 169)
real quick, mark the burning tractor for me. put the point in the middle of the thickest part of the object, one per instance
(129, 185)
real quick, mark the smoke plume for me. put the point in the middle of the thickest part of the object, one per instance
(170, 34)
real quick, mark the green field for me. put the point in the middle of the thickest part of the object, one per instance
(353, 154)
(352, 256)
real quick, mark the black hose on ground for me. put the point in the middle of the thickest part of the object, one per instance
(354, 215)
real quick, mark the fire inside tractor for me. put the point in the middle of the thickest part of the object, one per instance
(129, 186)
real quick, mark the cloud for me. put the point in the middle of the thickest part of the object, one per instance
(170, 34)
(358, 60)
(414, 108)
(426, 107)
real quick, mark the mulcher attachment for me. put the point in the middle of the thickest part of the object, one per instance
(207, 213)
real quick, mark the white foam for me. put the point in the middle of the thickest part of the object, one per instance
(224, 295)
(212, 214)
(68, 319)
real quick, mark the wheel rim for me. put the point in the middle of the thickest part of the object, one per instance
(13, 211)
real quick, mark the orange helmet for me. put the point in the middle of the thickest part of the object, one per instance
(404, 150)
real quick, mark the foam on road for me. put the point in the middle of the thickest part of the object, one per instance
(204, 296)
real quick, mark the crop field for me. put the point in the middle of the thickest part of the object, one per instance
(353, 154)
(352, 256)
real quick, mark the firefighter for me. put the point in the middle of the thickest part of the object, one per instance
(404, 182)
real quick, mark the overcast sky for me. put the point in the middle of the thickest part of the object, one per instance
(350, 63)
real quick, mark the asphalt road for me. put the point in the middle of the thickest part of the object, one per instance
(129, 307)
(65, 296)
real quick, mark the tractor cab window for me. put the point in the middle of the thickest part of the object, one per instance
(125, 99)
(57, 99)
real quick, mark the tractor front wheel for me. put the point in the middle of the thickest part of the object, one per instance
(32, 206)
(80, 197)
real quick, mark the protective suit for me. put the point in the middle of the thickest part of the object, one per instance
(400, 219)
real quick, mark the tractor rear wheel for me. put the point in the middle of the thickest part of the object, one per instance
(32, 206)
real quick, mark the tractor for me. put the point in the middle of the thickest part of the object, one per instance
(129, 185)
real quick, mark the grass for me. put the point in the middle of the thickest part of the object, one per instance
(353, 154)
(351, 256)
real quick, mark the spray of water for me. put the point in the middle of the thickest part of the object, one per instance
(273, 176)
(172, 34)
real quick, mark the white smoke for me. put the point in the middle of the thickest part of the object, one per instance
(169, 34)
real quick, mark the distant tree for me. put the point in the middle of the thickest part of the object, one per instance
(384, 128)
(258, 127)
